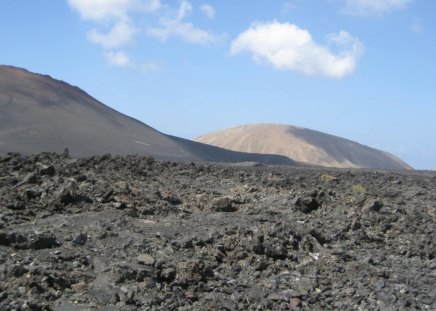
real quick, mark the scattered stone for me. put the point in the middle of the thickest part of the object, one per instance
(66, 196)
(32, 194)
(374, 205)
(295, 304)
(172, 199)
(145, 259)
(127, 233)
(43, 241)
(223, 204)
(307, 204)
(47, 170)
(30, 178)
(168, 274)
(80, 239)
(17, 206)
(3, 296)
(107, 196)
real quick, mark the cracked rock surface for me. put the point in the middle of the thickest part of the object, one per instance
(132, 233)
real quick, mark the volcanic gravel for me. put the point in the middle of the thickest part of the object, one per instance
(133, 233)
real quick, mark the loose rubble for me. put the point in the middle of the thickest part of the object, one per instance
(133, 233)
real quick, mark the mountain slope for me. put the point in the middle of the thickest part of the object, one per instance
(303, 145)
(41, 114)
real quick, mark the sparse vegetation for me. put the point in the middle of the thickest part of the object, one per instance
(359, 188)
(327, 177)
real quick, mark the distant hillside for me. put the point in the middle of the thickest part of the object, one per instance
(303, 145)
(41, 114)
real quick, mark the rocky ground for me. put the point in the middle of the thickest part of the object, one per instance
(132, 233)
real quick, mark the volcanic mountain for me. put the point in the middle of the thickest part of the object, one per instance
(41, 114)
(303, 145)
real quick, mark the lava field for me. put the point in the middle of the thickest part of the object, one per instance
(134, 233)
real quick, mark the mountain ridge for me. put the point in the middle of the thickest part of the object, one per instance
(41, 114)
(303, 145)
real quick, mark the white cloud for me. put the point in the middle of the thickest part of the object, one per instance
(118, 59)
(373, 7)
(116, 23)
(184, 9)
(114, 13)
(287, 47)
(417, 26)
(148, 6)
(208, 10)
(122, 60)
(98, 10)
(177, 27)
(121, 34)
(150, 66)
(185, 31)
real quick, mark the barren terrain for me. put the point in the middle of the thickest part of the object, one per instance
(302, 145)
(40, 114)
(133, 233)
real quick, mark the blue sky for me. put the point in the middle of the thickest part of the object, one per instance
(360, 69)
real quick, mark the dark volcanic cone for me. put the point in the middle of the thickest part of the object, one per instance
(41, 114)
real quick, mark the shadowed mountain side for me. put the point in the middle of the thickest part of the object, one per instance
(41, 114)
(217, 154)
(302, 145)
